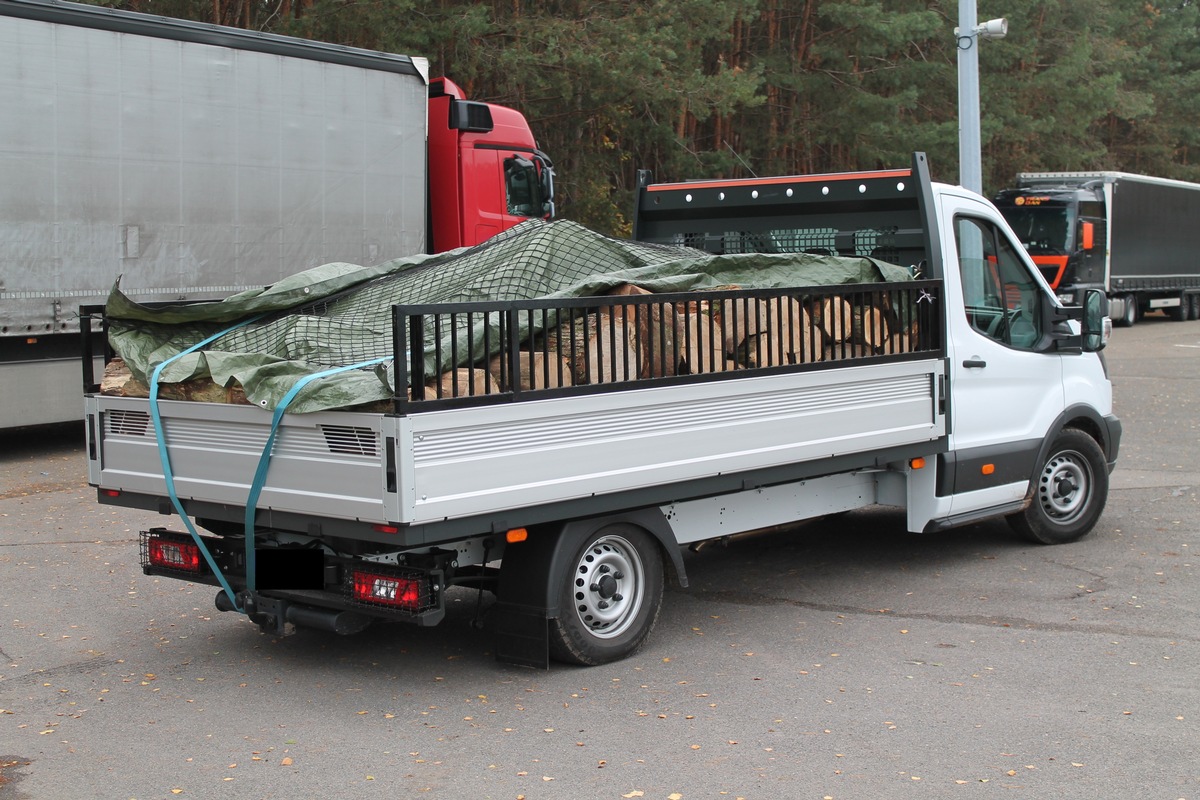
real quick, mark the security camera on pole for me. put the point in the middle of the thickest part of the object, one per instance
(968, 34)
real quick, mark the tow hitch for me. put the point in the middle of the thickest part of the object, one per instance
(280, 617)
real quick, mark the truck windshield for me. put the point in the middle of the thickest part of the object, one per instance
(1045, 229)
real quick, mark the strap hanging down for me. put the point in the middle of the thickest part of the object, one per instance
(165, 457)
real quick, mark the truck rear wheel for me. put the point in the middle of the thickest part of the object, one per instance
(610, 597)
(1069, 491)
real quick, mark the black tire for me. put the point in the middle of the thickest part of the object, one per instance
(1194, 306)
(1130, 315)
(1181, 312)
(1069, 491)
(610, 597)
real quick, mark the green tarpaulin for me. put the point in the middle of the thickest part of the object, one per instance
(340, 314)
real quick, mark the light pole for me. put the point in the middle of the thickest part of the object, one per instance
(967, 35)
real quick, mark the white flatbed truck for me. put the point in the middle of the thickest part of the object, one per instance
(572, 503)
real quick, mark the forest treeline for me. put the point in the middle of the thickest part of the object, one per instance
(728, 88)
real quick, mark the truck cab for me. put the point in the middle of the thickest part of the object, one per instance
(486, 173)
(1063, 230)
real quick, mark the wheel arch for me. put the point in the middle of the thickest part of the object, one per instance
(1106, 431)
(551, 546)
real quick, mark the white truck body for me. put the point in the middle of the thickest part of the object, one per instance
(1001, 410)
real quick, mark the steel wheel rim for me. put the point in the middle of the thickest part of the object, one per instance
(1065, 487)
(608, 586)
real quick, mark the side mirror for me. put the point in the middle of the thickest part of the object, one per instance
(1095, 317)
(546, 175)
(1089, 235)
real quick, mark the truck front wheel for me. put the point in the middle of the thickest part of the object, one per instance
(1069, 491)
(609, 599)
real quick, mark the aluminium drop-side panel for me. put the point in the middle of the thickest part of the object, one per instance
(191, 170)
(492, 459)
(328, 464)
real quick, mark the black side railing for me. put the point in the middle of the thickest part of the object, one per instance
(491, 352)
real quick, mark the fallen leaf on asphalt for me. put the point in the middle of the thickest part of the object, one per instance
(634, 793)
(287, 761)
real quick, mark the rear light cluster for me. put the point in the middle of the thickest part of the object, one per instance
(403, 590)
(170, 553)
(398, 589)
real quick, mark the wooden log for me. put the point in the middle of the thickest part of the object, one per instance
(702, 344)
(462, 383)
(869, 326)
(610, 352)
(655, 330)
(118, 381)
(897, 343)
(608, 347)
(536, 371)
(742, 318)
(794, 344)
(782, 334)
(840, 351)
(116, 377)
(835, 315)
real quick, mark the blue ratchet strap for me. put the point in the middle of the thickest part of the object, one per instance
(264, 461)
(165, 457)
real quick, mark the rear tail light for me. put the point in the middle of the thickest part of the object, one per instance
(392, 591)
(169, 554)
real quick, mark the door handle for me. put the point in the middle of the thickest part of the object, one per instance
(974, 363)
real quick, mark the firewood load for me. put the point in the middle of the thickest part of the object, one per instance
(702, 341)
(653, 325)
(536, 370)
(463, 383)
(118, 381)
(770, 333)
(865, 328)
(639, 341)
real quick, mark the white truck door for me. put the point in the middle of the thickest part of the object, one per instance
(1004, 395)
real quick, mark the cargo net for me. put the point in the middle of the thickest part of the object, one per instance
(528, 261)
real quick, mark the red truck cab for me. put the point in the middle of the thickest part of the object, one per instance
(486, 173)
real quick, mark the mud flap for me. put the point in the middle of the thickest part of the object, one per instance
(520, 634)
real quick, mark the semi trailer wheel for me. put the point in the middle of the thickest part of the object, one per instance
(1069, 491)
(610, 597)
(1181, 312)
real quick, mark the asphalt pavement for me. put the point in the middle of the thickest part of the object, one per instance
(843, 658)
